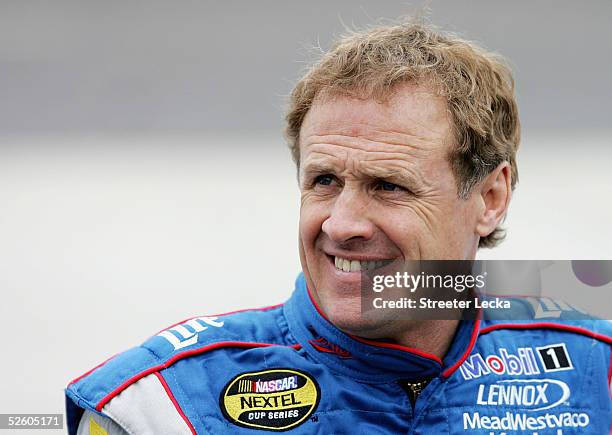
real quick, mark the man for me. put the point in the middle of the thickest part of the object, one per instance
(405, 142)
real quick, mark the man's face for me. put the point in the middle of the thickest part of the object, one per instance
(376, 185)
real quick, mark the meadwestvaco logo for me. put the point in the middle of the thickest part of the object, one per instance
(523, 361)
(521, 421)
(527, 394)
(276, 399)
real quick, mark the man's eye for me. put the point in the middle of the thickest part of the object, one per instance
(389, 187)
(324, 180)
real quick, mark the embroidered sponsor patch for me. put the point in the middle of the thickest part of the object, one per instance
(275, 399)
(323, 345)
(554, 357)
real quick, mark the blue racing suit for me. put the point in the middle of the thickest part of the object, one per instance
(287, 368)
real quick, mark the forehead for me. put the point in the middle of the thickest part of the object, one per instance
(413, 115)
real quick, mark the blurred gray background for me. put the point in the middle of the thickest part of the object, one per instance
(144, 178)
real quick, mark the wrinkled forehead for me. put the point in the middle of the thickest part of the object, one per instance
(410, 114)
(413, 124)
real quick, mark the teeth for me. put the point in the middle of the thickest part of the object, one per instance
(356, 265)
(346, 265)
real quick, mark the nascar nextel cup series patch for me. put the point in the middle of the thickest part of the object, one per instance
(275, 399)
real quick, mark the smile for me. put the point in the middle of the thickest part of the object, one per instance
(347, 265)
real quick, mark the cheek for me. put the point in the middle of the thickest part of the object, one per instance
(404, 228)
(459, 217)
(312, 217)
(455, 233)
(419, 231)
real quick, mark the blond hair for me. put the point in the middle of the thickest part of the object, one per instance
(477, 85)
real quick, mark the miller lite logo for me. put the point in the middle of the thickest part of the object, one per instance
(186, 333)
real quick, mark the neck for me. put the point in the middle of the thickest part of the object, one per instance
(431, 336)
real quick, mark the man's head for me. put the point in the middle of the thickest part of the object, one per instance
(405, 142)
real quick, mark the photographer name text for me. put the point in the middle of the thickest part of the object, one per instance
(434, 304)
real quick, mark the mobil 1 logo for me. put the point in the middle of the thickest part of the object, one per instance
(554, 357)
(518, 362)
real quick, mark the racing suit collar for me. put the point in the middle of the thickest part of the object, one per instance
(369, 360)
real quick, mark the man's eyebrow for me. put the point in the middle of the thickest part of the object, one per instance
(318, 168)
(400, 175)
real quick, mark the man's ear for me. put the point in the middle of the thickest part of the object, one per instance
(495, 193)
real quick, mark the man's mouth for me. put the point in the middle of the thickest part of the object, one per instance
(348, 265)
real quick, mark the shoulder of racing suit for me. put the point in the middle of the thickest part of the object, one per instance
(548, 317)
(140, 390)
(129, 385)
(566, 359)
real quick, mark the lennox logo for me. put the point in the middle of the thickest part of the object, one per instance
(523, 363)
(186, 333)
(530, 394)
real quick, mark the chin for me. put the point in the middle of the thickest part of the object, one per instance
(347, 316)
(343, 312)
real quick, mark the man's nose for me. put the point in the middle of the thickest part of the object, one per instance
(349, 218)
